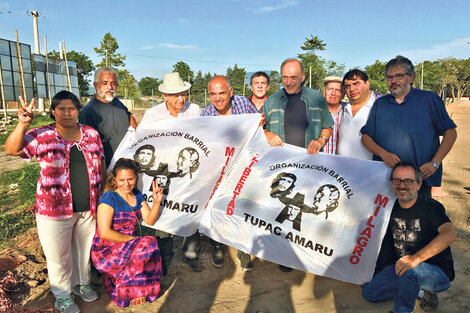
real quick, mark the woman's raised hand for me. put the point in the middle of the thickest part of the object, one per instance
(25, 112)
(157, 193)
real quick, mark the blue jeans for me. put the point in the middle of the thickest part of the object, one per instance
(404, 289)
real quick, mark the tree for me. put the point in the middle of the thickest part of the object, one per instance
(274, 82)
(184, 70)
(197, 89)
(376, 73)
(198, 86)
(207, 79)
(147, 84)
(312, 44)
(319, 67)
(127, 85)
(314, 64)
(84, 68)
(107, 51)
(237, 78)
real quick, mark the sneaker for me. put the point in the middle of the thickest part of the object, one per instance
(195, 264)
(66, 305)
(217, 256)
(430, 302)
(245, 261)
(285, 268)
(85, 292)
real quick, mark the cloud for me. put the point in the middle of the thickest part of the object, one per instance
(146, 48)
(458, 48)
(173, 46)
(183, 20)
(281, 5)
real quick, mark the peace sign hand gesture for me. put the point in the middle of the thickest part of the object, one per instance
(25, 112)
(157, 193)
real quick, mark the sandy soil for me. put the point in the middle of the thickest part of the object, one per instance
(266, 289)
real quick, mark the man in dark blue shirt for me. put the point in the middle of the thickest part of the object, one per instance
(406, 125)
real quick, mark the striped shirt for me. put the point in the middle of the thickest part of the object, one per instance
(331, 144)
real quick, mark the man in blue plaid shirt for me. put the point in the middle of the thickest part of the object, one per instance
(223, 102)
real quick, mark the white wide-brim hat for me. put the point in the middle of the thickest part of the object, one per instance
(172, 83)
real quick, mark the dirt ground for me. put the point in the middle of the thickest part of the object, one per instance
(265, 289)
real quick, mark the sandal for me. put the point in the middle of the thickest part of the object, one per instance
(137, 301)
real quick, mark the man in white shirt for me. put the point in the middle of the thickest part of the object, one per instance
(174, 91)
(356, 112)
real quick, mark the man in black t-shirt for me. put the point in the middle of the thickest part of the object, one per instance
(415, 258)
(105, 113)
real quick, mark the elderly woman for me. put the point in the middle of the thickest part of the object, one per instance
(72, 164)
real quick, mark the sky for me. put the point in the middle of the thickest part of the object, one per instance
(211, 35)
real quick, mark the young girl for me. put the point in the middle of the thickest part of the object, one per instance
(131, 265)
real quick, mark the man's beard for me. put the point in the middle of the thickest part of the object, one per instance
(105, 96)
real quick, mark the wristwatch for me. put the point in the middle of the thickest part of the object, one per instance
(326, 139)
(435, 164)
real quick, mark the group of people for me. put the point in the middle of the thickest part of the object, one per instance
(401, 129)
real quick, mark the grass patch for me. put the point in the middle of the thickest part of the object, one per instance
(19, 193)
(39, 120)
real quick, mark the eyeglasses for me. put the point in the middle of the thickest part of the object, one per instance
(398, 76)
(407, 182)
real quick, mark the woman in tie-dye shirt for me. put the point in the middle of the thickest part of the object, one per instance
(72, 168)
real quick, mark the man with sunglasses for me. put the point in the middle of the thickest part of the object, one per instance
(415, 260)
(406, 125)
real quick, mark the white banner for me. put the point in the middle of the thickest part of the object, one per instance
(189, 157)
(320, 213)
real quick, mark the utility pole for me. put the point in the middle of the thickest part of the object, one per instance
(35, 16)
(61, 54)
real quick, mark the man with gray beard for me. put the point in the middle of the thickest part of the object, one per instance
(105, 113)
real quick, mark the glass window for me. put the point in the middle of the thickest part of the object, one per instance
(40, 66)
(74, 81)
(14, 62)
(40, 78)
(25, 51)
(6, 62)
(4, 47)
(13, 48)
(42, 91)
(26, 65)
(39, 58)
(7, 78)
(16, 79)
(29, 94)
(9, 93)
(28, 80)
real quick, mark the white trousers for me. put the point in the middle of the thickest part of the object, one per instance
(67, 244)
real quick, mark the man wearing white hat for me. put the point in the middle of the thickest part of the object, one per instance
(174, 91)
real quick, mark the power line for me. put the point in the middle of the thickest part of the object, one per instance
(200, 61)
